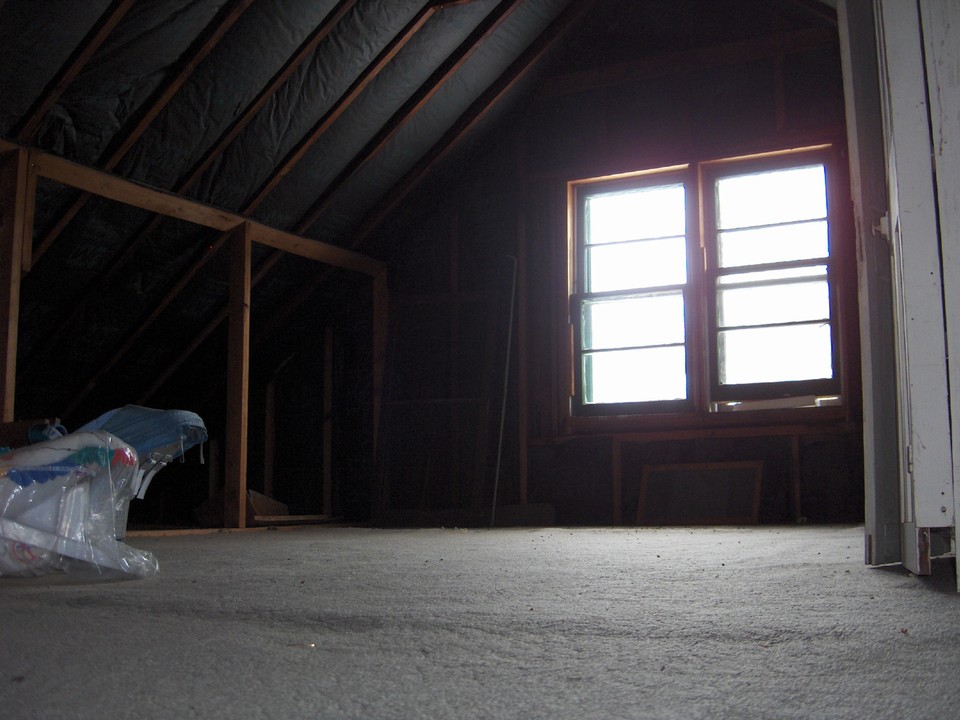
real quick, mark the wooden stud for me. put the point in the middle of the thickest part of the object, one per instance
(238, 375)
(13, 186)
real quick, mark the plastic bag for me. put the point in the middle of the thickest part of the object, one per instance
(63, 506)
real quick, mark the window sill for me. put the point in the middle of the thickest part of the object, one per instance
(821, 418)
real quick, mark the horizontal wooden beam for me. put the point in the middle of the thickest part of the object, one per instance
(314, 250)
(98, 182)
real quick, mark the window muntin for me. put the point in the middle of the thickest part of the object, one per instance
(756, 320)
(632, 311)
(773, 321)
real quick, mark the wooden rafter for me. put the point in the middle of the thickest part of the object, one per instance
(427, 90)
(306, 49)
(412, 106)
(473, 114)
(206, 331)
(200, 49)
(238, 376)
(26, 130)
(476, 112)
(341, 106)
(295, 156)
(103, 184)
(119, 261)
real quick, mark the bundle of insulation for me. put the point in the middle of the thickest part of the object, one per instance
(64, 502)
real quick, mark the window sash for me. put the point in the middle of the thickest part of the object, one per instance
(724, 266)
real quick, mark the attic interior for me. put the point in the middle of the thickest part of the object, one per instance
(409, 178)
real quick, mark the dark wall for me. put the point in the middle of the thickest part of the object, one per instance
(606, 102)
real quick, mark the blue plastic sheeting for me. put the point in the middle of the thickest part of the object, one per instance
(151, 431)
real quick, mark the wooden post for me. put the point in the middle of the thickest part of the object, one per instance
(13, 226)
(238, 373)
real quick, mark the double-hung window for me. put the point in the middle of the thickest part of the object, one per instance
(705, 287)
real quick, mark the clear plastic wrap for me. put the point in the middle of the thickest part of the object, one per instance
(64, 504)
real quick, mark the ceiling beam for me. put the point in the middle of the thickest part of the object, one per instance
(197, 52)
(97, 182)
(466, 122)
(304, 52)
(479, 109)
(411, 107)
(341, 106)
(293, 157)
(119, 261)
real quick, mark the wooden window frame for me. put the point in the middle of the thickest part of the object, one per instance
(703, 390)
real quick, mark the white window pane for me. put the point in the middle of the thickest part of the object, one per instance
(771, 197)
(803, 241)
(633, 322)
(637, 265)
(635, 375)
(766, 304)
(635, 214)
(801, 352)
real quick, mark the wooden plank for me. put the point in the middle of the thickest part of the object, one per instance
(926, 461)
(340, 107)
(473, 114)
(29, 202)
(858, 53)
(119, 261)
(238, 375)
(68, 73)
(104, 184)
(192, 58)
(13, 185)
(314, 249)
(200, 49)
(941, 34)
(411, 107)
(303, 53)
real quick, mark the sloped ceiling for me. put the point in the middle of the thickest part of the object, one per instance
(306, 115)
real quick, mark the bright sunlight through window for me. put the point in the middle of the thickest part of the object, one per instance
(766, 283)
